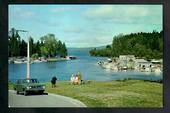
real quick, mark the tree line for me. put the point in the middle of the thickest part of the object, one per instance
(142, 45)
(47, 46)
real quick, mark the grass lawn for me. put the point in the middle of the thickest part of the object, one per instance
(129, 93)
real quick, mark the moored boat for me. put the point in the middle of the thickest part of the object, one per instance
(71, 57)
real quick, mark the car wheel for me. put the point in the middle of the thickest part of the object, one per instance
(25, 93)
(17, 92)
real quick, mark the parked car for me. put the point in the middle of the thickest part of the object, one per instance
(29, 85)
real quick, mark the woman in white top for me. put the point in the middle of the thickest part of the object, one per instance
(72, 79)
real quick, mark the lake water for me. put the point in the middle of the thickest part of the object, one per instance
(84, 64)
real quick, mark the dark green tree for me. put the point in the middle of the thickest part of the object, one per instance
(23, 48)
(63, 51)
(14, 43)
(51, 47)
(31, 45)
(143, 45)
(37, 48)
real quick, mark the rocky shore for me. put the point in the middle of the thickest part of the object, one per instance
(130, 62)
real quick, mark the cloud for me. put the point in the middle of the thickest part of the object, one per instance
(126, 13)
(48, 23)
(19, 13)
(86, 25)
(73, 30)
(88, 41)
(63, 9)
(100, 11)
(22, 14)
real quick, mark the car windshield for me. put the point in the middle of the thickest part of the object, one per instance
(30, 81)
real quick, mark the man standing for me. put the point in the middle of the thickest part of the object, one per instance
(53, 81)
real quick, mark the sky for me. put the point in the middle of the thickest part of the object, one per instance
(84, 25)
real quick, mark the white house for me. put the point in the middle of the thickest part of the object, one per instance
(127, 57)
(141, 64)
(125, 61)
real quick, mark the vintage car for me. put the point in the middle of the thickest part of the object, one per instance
(29, 85)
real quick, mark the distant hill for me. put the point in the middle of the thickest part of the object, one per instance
(81, 51)
(78, 51)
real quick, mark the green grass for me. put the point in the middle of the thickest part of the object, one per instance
(128, 93)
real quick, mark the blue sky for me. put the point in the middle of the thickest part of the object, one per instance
(85, 25)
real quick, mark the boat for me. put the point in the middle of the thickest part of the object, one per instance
(37, 61)
(71, 58)
(43, 60)
(18, 61)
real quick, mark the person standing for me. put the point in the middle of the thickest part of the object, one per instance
(53, 81)
(72, 79)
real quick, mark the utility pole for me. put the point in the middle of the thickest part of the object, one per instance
(28, 55)
(28, 59)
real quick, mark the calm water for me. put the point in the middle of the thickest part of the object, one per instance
(85, 64)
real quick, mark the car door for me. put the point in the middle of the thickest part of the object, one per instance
(20, 85)
(17, 85)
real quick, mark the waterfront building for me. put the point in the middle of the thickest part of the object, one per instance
(143, 65)
(126, 61)
(127, 57)
(156, 63)
(129, 62)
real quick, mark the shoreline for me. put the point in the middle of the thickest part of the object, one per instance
(15, 60)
